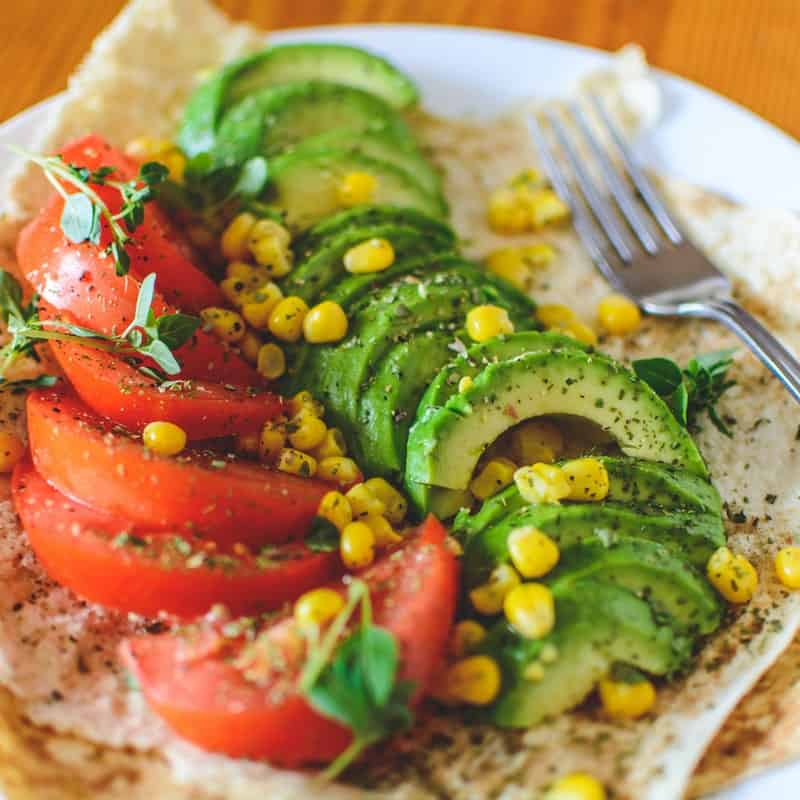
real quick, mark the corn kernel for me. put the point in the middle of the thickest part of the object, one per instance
(357, 188)
(577, 786)
(12, 449)
(272, 440)
(618, 314)
(532, 551)
(234, 289)
(373, 255)
(530, 610)
(490, 596)
(787, 567)
(466, 635)
(148, 148)
(395, 504)
(533, 671)
(626, 700)
(306, 431)
(555, 315)
(733, 576)
(588, 479)
(317, 607)
(305, 401)
(465, 384)
(506, 213)
(331, 446)
(338, 469)
(248, 443)
(250, 346)
(286, 319)
(382, 530)
(268, 242)
(516, 264)
(175, 162)
(249, 274)
(474, 680)
(547, 208)
(578, 330)
(548, 654)
(496, 475)
(234, 238)
(357, 545)
(164, 438)
(271, 361)
(325, 323)
(484, 322)
(335, 508)
(363, 502)
(542, 483)
(258, 304)
(536, 440)
(224, 323)
(296, 463)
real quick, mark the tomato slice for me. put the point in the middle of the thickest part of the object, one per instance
(156, 245)
(194, 684)
(107, 560)
(90, 459)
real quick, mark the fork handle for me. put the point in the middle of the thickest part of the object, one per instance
(771, 352)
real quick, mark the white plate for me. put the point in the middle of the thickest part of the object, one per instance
(703, 138)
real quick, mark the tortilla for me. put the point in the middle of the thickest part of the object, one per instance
(71, 727)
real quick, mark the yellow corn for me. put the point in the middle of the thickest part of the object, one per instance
(317, 607)
(148, 148)
(588, 479)
(549, 654)
(530, 610)
(536, 440)
(373, 255)
(465, 384)
(626, 700)
(250, 345)
(542, 483)
(547, 208)
(304, 401)
(363, 502)
(258, 304)
(325, 322)
(175, 162)
(235, 290)
(484, 322)
(490, 596)
(787, 567)
(286, 319)
(532, 551)
(555, 315)
(733, 576)
(534, 671)
(272, 440)
(333, 445)
(271, 361)
(577, 786)
(395, 504)
(474, 680)
(382, 530)
(516, 264)
(268, 243)
(496, 475)
(357, 188)
(618, 314)
(234, 238)
(357, 545)
(338, 469)
(578, 330)
(296, 463)
(164, 438)
(507, 213)
(335, 508)
(224, 323)
(466, 635)
(306, 431)
(250, 274)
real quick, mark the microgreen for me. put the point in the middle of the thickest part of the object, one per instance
(692, 390)
(355, 681)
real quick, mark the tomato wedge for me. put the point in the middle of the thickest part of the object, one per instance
(193, 683)
(101, 465)
(107, 560)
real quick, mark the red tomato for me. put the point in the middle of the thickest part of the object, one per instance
(194, 685)
(156, 246)
(106, 560)
(92, 460)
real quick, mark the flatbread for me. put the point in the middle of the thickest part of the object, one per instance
(70, 727)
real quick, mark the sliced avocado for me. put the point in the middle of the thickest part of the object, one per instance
(273, 120)
(381, 145)
(283, 64)
(446, 443)
(305, 187)
(696, 536)
(597, 624)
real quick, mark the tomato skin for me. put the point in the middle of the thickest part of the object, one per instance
(205, 699)
(88, 459)
(75, 544)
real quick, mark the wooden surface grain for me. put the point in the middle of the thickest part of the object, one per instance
(745, 49)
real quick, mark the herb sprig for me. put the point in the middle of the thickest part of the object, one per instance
(85, 209)
(355, 682)
(147, 336)
(693, 390)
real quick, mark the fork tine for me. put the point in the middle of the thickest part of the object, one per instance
(605, 216)
(584, 226)
(640, 181)
(619, 189)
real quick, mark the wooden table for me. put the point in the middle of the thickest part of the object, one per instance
(745, 49)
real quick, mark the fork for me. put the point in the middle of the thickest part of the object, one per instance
(647, 256)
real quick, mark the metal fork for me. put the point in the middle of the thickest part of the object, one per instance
(647, 258)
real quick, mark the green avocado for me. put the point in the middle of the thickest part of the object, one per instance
(597, 624)
(446, 442)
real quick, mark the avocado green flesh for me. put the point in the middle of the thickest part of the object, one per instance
(446, 443)
(691, 535)
(598, 624)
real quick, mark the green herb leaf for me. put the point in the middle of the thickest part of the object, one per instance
(153, 173)
(323, 536)
(80, 219)
(662, 374)
(624, 673)
(174, 330)
(379, 657)
(252, 178)
(162, 355)
(42, 381)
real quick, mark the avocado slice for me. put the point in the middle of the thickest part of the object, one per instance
(693, 535)
(597, 624)
(273, 120)
(283, 64)
(304, 186)
(446, 442)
